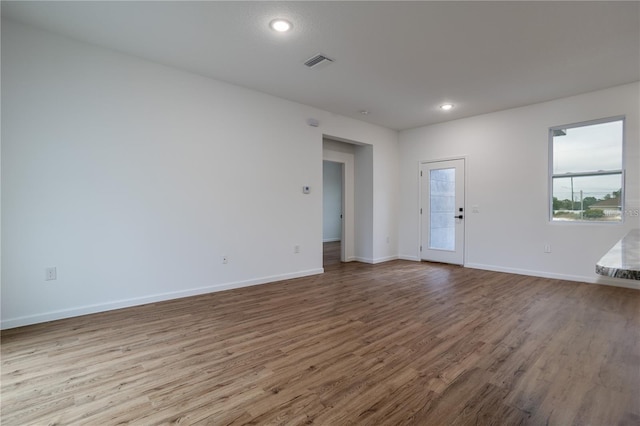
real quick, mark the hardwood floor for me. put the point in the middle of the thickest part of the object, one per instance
(394, 343)
(331, 255)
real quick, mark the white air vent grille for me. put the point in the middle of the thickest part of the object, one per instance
(317, 60)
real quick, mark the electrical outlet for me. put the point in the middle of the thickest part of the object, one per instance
(296, 249)
(50, 274)
(225, 259)
(547, 248)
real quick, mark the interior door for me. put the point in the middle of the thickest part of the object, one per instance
(442, 211)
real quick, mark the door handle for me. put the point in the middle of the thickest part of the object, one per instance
(458, 217)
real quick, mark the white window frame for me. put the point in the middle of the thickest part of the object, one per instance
(621, 171)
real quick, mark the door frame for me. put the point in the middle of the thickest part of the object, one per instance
(466, 186)
(347, 239)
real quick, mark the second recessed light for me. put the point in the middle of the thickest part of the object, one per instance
(446, 107)
(280, 25)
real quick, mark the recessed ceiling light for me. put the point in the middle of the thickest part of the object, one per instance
(364, 112)
(446, 107)
(280, 25)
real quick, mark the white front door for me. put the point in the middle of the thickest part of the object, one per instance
(442, 211)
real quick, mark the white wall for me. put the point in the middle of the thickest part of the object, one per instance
(507, 177)
(331, 201)
(364, 226)
(133, 179)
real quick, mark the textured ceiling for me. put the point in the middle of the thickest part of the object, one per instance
(399, 60)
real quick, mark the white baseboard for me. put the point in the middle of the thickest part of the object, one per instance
(362, 259)
(408, 257)
(616, 282)
(374, 261)
(385, 259)
(102, 307)
(119, 304)
(331, 240)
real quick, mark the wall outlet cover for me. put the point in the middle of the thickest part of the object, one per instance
(50, 274)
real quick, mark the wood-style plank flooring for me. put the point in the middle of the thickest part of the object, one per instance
(395, 343)
(331, 255)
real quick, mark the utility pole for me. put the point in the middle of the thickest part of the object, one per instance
(572, 202)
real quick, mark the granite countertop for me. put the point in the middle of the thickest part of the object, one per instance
(623, 260)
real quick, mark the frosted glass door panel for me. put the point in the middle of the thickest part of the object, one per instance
(442, 211)
(442, 202)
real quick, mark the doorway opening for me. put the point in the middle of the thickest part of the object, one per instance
(355, 161)
(332, 212)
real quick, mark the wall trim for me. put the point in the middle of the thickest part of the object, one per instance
(385, 259)
(104, 307)
(137, 301)
(408, 257)
(374, 261)
(578, 278)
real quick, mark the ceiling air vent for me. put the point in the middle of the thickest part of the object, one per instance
(317, 60)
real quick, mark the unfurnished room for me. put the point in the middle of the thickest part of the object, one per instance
(320, 212)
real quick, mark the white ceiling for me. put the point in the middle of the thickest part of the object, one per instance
(399, 60)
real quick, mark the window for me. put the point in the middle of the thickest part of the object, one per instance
(586, 171)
